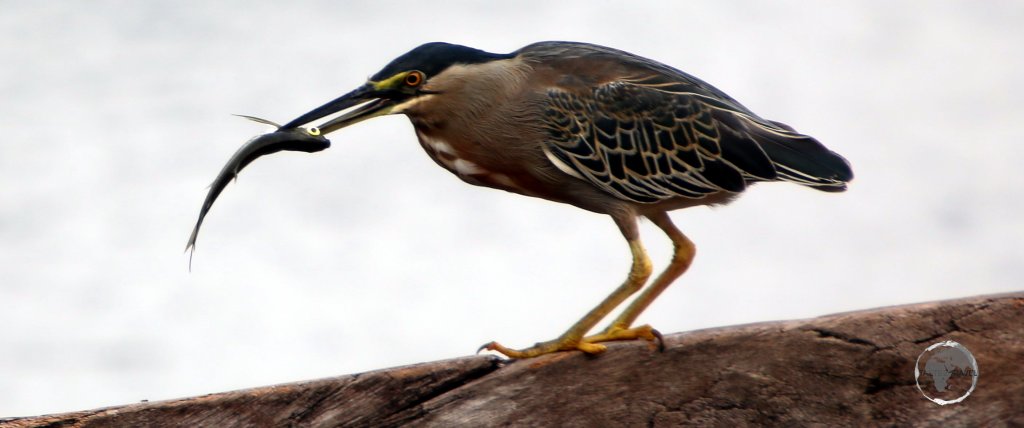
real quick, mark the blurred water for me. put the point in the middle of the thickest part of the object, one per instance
(116, 115)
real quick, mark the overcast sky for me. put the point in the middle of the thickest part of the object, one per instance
(116, 115)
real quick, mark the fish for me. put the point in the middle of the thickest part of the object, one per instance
(296, 139)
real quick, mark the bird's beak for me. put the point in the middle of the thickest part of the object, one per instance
(369, 99)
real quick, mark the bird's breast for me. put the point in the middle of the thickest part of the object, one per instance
(462, 164)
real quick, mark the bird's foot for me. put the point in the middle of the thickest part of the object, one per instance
(645, 332)
(548, 347)
(589, 344)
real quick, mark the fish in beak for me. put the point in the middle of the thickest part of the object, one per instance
(293, 139)
(363, 103)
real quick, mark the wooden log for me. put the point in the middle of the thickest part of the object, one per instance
(844, 369)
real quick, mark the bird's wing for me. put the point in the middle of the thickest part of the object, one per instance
(645, 142)
(656, 132)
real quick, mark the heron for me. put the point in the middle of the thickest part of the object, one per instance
(598, 128)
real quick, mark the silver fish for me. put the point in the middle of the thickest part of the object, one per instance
(291, 139)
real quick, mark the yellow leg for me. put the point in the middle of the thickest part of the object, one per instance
(681, 259)
(572, 339)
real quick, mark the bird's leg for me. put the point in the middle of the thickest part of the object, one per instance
(572, 339)
(681, 259)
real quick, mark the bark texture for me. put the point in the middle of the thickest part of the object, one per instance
(850, 368)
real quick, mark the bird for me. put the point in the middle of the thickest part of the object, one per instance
(598, 128)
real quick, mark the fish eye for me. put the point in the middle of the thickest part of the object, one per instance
(314, 131)
(414, 78)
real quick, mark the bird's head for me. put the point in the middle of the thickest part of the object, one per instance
(399, 84)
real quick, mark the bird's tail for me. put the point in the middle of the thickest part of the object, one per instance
(803, 160)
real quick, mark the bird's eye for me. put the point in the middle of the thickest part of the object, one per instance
(314, 131)
(414, 78)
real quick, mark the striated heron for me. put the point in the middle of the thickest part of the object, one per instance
(601, 129)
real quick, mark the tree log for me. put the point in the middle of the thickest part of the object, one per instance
(843, 369)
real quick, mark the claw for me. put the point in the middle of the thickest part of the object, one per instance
(508, 352)
(590, 345)
(557, 345)
(660, 339)
(489, 346)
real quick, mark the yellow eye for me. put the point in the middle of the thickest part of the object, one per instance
(314, 131)
(414, 78)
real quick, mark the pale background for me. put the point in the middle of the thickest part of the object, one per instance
(115, 116)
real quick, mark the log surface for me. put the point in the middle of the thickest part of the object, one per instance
(850, 368)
